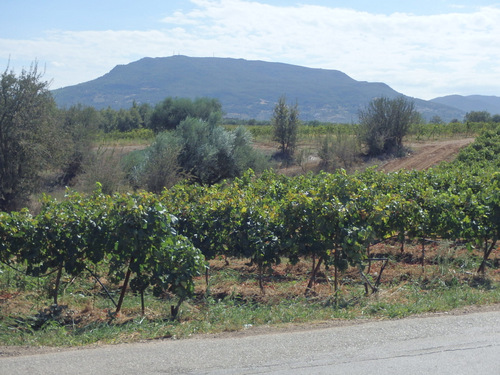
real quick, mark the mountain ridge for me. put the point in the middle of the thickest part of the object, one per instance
(246, 88)
(468, 103)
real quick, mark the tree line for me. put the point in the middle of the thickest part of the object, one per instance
(42, 146)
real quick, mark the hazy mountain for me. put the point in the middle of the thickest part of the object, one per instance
(470, 103)
(246, 89)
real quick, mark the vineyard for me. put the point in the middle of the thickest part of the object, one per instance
(339, 227)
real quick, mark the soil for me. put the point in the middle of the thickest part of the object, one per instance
(421, 155)
(427, 154)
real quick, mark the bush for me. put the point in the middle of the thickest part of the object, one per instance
(197, 149)
(209, 153)
(384, 123)
(103, 166)
(156, 167)
(337, 152)
(168, 114)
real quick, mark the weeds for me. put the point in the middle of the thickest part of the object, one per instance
(235, 303)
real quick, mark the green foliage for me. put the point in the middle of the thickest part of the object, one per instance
(168, 114)
(108, 120)
(133, 135)
(210, 154)
(285, 122)
(16, 231)
(28, 135)
(161, 241)
(484, 152)
(133, 235)
(201, 150)
(146, 242)
(477, 116)
(61, 236)
(204, 215)
(384, 123)
(156, 167)
(206, 150)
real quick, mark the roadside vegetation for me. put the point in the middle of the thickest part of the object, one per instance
(193, 232)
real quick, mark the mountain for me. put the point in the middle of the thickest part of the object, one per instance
(246, 89)
(470, 103)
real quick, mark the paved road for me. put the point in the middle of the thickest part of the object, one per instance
(444, 344)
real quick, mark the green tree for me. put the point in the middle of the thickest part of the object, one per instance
(145, 111)
(477, 116)
(200, 150)
(109, 120)
(285, 122)
(80, 125)
(128, 120)
(384, 123)
(171, 112)
(436, 120)
(28, 135)
(209, 153)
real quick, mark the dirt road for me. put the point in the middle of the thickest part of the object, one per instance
(427, 154)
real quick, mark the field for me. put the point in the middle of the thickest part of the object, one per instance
(430, 274)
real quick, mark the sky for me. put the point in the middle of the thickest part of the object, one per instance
(422, 48)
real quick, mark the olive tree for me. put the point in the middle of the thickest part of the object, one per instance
(384, 123)
(28, 135)
(202, 151)
(169, 113)
(209, 153)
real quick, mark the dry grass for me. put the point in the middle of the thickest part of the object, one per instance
(447, 280)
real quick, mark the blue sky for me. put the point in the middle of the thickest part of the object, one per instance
(421, 48)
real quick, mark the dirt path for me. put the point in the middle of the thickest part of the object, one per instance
(427, 154)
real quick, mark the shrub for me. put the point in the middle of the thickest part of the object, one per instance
(384, 123)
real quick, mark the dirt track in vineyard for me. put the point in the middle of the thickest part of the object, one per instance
(427, 154)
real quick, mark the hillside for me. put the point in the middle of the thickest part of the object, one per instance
(246, 89)
(470, 103)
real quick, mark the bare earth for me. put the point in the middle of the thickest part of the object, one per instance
(427, 154)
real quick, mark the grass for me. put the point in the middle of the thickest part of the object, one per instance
(235, 302)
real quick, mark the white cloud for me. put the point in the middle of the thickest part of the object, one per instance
(422, 56)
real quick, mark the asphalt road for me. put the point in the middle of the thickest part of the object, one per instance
(438, 344)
